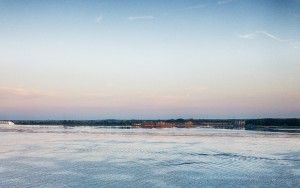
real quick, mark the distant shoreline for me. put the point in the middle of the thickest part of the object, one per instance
(266, 124)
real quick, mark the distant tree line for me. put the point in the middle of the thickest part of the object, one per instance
(270, 124)
(292, 122)
(249, 123)
(111, 122)
(77, 122)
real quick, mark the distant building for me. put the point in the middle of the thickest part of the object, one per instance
(189, 124)
(160, 124)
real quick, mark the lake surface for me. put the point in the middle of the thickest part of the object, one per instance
(33, 156)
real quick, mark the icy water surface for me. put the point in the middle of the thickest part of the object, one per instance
(32, 156)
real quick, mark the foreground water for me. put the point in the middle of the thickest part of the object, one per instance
(32, 156)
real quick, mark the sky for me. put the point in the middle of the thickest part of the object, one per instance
(149, 59)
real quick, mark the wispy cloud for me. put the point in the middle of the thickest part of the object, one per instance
(269, 35)
(297, 15)
(294, 14)
(191, 7)
(222, 2)
(198, 6)
(262, 33)
(99, 19)
(20, 93)
(147, 17)
(247, 36)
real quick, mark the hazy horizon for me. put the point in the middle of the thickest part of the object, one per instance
(149, 59)
(144, 119)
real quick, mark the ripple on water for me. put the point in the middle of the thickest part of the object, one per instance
(77, 157)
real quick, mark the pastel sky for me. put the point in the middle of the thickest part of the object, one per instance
(149, 59)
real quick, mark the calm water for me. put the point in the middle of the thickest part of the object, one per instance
(98, 157)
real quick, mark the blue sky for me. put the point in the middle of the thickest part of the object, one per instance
(149, 59)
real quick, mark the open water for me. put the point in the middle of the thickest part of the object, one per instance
(57, 156)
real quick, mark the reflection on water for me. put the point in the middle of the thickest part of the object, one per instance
(32, 156)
